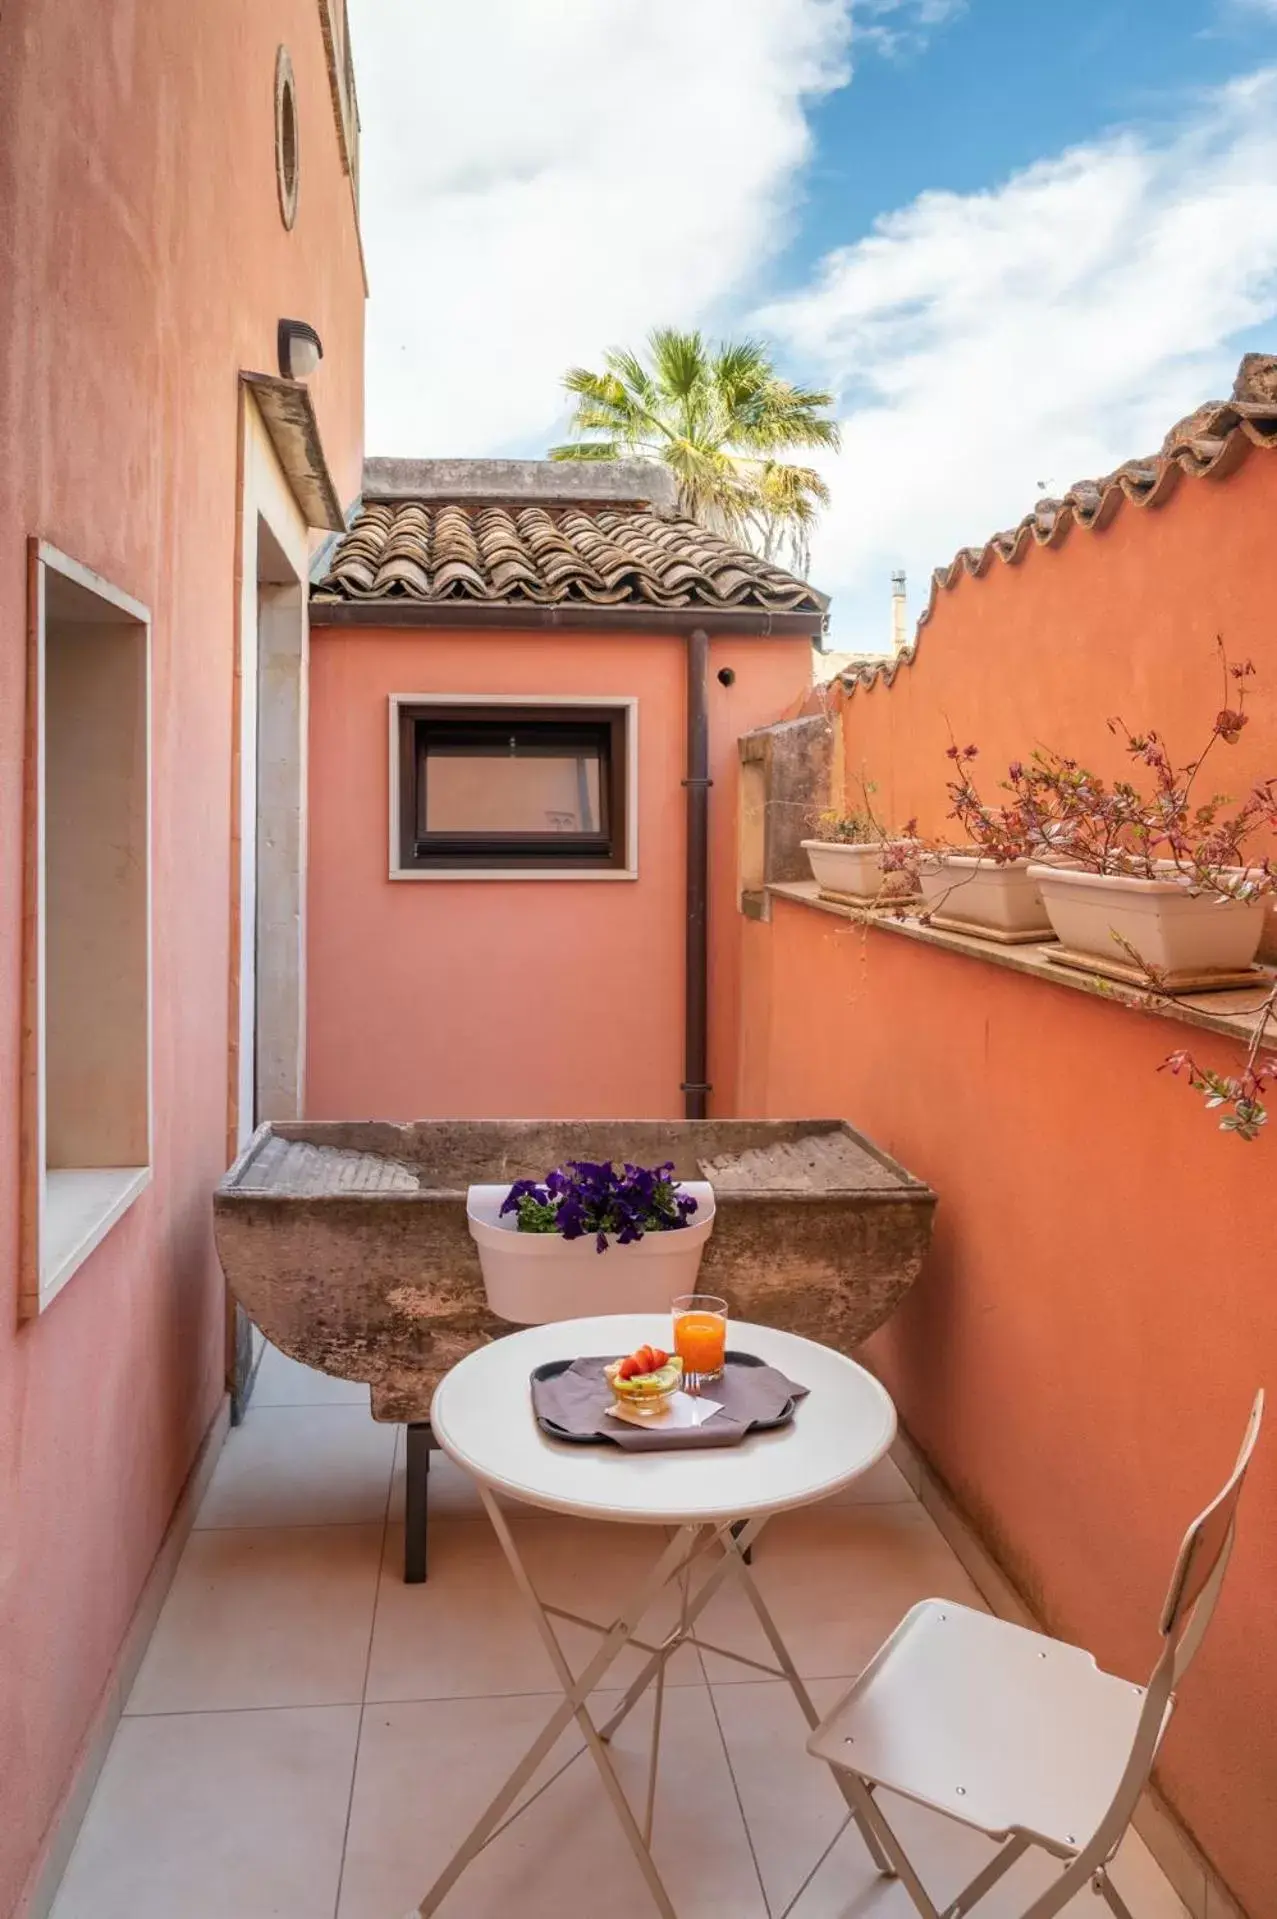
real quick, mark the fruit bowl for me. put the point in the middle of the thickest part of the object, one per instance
(646, 1381)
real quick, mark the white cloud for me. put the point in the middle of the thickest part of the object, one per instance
(893, 27)
(1040, 332)
(543, 178)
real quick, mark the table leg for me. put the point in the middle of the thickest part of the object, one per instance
(851, 1790)
(416, 1503)
(694, 1607)
(736, 1541)
(576, 1692)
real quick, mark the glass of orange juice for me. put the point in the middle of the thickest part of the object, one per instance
(700, 1337)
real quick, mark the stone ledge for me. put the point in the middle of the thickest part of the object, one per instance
(514, 482)
(1233, 1013)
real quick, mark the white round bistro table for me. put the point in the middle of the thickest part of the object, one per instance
(713, 1503)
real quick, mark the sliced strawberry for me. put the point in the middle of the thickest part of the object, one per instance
(628, 1368)
(643, 1359)
(659, 1359)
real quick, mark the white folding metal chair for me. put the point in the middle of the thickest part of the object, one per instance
(1018, 1735)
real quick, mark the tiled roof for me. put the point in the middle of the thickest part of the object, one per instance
(1212, 441)
(552, 556)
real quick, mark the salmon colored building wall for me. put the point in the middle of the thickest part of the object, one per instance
(143, 263)
(521, 998)
(1078, 1357)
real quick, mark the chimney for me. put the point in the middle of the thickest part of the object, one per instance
(898, 635)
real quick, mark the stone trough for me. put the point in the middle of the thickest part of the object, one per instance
(347, 1244)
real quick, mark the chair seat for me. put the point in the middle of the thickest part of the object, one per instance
(999, 1727)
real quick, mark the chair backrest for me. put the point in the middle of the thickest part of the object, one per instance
(1195, 1585)
(1203, 1557)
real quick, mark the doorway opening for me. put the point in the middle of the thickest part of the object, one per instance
(273, 722)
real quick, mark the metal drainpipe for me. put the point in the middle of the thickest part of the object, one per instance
(697, 782)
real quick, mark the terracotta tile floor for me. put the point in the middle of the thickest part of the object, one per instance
(308, 1737)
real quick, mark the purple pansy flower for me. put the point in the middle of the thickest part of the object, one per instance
(598, 1197)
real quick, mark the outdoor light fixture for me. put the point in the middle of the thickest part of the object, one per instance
(300, 349)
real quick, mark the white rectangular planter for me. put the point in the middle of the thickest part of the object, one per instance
(976, 889)
(532, 1278)
(855, 869)
(1166, 926)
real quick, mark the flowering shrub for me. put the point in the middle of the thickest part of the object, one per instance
(1060, 809)
(583, 1196)
(1004, 834)
(861, 826)
(847, 829)
(1240, 1094)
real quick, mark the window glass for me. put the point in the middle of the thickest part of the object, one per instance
(520, 784)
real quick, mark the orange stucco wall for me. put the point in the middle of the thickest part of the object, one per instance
(143, 263)
(1098, 1308)
(1117, 622)
(529, 998)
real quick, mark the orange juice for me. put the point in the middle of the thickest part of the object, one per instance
(700, 1334)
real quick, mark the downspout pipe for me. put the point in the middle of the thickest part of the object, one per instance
(697, 783)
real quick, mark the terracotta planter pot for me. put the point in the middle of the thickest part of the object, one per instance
(977, 890)
(532, 1278)
(856, 869)
(1161, 922)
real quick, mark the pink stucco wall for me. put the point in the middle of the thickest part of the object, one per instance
(461, 998)
(143, 263)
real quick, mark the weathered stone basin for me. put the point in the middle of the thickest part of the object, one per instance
(347, 1242)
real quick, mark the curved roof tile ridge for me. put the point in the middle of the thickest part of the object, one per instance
(1209, 443)
(555, 554)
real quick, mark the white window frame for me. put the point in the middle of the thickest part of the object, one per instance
(625, 704)
(60, 1228)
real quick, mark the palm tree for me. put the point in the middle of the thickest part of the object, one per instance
(717, 414)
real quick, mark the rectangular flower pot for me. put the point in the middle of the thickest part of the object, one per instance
(532, 1278)
(855, 870)
(1160, 922)
(981, 893)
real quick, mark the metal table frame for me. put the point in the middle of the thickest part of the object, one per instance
(719, 1548)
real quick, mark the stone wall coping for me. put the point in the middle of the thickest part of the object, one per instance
(514, 482)
(1234, 1013)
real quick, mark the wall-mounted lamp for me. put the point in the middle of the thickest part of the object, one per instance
(300, 349)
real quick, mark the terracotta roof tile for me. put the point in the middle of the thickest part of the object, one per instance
(1209, 443)
(508, 555)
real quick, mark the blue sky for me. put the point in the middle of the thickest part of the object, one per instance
(997, 84)
(1017, 241)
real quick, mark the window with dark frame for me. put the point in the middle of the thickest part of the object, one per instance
(512, 787)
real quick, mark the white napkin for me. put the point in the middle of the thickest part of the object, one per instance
(681, 1410)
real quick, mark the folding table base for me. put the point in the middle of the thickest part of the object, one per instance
(691, 1544)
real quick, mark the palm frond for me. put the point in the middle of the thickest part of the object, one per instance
(741, 372)
(791, 489)
(680, 361)
(629, 370)
(782, 416)
(717, 415)
(602, 388)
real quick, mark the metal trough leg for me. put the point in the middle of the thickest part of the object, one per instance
(420, 1441)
